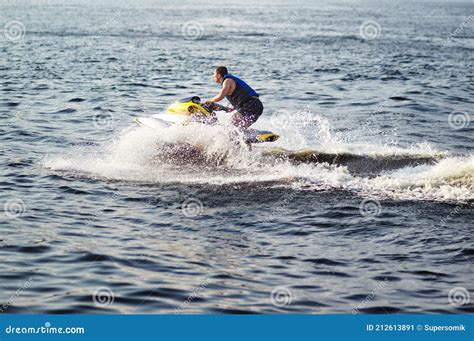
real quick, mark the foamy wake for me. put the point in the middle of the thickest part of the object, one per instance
(206, 155)
(451, 179)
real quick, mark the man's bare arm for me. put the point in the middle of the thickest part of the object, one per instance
(224, 92)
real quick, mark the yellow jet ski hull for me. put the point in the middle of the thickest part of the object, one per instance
(189, 106)
(190, 110)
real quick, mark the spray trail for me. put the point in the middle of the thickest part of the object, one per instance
(308, 155)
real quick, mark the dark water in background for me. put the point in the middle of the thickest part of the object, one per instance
(101, 216)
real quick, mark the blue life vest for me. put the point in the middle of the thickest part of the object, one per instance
(243, 94)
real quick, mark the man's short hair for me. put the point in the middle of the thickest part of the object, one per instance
(221, 70)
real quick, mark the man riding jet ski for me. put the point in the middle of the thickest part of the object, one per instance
(243, 98)
(190, 110)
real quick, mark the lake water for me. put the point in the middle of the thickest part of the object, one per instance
(102, 216)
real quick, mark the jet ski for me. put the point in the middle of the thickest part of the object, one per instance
(191, 111)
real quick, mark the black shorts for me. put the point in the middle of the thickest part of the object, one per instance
(248, 114)
(252, 108)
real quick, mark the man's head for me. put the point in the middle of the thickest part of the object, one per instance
(219, 73)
